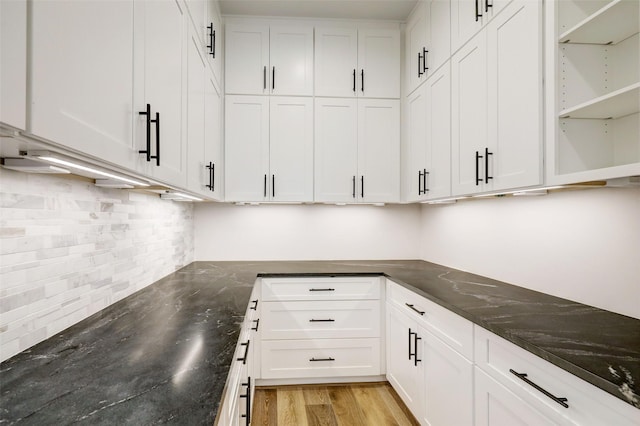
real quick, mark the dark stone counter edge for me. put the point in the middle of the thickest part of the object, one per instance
(589, 377)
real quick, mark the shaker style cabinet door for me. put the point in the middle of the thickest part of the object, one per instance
(247, 69)
(246, 148)
(213, 142)
(416, 139)
(82, 81)
(336, 63)
(197, 174)
(291, 58)
(416, 44)
(13, 63)
(378, 73)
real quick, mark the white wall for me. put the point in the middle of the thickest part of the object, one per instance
(304, 232)
(580, 245)
(69, 249)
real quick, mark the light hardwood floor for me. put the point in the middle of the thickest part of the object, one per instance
(360, 404)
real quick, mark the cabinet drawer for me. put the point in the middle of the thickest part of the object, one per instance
(588, 405)
(321, 288)
(321, 319)
(451, 328)
(320, 358)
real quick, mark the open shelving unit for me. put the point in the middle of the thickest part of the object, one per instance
(597, 90)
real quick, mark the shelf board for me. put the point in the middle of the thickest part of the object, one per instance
(616, 104)
(613, 23)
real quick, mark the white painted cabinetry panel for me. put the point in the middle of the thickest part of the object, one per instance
(321, 288)
(291, 59)
(13, 63)
(378, 63)
(247, 59)
(336, 61)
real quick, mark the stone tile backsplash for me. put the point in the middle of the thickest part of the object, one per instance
(69, 249)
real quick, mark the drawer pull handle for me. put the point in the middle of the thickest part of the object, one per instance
(257, 321)
(322, 289)
(247, 395)
(246, 352)
(414, 309)
(322, 359)
(523, 377)
(322, 320)
(255, 305)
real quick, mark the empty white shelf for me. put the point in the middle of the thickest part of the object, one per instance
(616, 104)
(613, 23)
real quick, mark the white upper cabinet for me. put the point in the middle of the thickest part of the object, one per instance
(291, 148)
(213, 142)
(354, 62)
(269, 148)
(593, 90)
(162, 133)
(208, 25)
(497, 104)
(247, 59)
(264, 60)
(291, 58)
(357, 154)
(428, 41)
(13, 63)
(469, 16)
(82, 80)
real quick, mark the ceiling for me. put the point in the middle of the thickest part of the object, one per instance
(397, 10)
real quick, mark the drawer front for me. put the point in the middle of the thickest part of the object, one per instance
(588, 405)
(320, 358)
(451, 328)
(321, 319)
(321, 288)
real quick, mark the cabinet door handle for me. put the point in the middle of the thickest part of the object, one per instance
(255, 305)
(424, 178)
(157, 156)
(487, 178)
(420, 71)
(322, 289)
(478, 179)
(247, 414)
(147, 113)
(419, 182)
(321, 359)
(273, 186)
(273, 79)
(523, 377)
(362, 186)
(246, 352)
(264, 192)
(210, 167)
(487, 5)
(264, 78)
(478, 14)
(415, 348)
(411, 305)
(424, 60)
(354, 187)
(257, 322)
(212, 35)
(322, 320)
(410, 334)
(362, 80)
(354, 80)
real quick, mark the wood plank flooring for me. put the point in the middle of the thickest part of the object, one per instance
(357, 404)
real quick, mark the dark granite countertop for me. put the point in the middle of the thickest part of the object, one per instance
(162, 354)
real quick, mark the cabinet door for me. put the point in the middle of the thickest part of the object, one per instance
(402, 372)
(469, 116)
(197, 174)
(438, 34)
(466, 20)
(378, 63)
(437, 182)
(336, 150)
(514, 64)
(246, 148)
(164, 27)
(448, 381)
(213, 40)
(416, 41)
(291, 57)
(247, 59)
(213, 146)
(291, 148)
(13, 63)
(495, 405)
(81, 81)
(416, 138)
(336, 52)
(378, 150)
